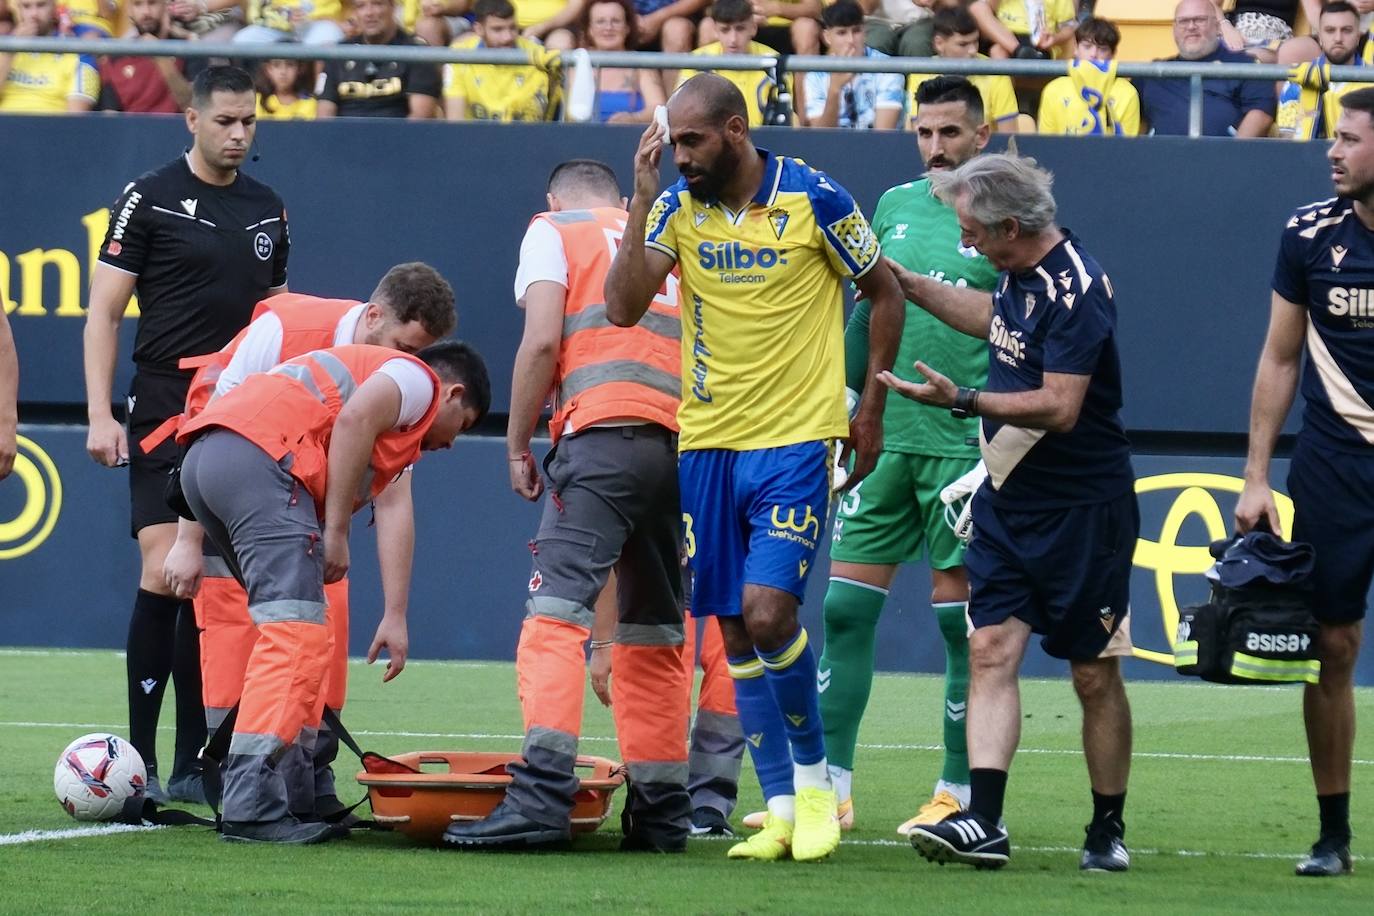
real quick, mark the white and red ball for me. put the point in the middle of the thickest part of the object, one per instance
(96, 775)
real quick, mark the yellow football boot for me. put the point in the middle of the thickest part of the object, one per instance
(817, 833)
(772, 843)
(754, 820)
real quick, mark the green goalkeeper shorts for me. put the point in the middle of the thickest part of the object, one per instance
(895, 515)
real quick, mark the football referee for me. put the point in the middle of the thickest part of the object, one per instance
(201, 244)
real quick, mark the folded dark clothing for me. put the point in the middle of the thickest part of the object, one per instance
(1261, 558)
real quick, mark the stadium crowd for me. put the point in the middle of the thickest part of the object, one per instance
(1089, 99)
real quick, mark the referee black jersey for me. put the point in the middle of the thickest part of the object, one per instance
(204, 256)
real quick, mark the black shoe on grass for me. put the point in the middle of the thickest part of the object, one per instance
(1330, 856)
(965, 838)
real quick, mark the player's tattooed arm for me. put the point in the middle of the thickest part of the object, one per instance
(968, 311)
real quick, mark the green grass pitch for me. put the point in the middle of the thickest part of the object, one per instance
(1220, 805)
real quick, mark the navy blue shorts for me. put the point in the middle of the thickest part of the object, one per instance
(1066, 572)
(1333, 510)
(752, 517)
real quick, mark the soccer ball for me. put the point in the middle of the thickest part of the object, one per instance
(96, 775)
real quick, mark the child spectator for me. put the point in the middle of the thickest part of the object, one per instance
(283, 89)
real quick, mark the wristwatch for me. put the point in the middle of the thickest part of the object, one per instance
(965, 404)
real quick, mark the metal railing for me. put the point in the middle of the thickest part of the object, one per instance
(1194, 73)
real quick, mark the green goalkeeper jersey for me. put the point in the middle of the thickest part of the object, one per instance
(922, 234)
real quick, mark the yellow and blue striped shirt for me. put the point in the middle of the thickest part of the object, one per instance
(763, 306)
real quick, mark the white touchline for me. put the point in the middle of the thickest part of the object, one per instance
(73, 833)
(1074, 850)
(931, 748)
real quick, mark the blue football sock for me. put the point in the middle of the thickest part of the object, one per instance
(791, 676)
(762, 725)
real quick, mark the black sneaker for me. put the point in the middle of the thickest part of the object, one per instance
(1330, 856)
(153, 790)
(963, 837)
(1105, 848)
(188, 788)
(710, 822)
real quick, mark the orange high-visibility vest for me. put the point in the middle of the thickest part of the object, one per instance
(307, 322)
(291, 410)
(606, 372)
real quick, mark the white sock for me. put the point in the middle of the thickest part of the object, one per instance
(960, 792)
(843, 780)
(783, 807)
(811, 775)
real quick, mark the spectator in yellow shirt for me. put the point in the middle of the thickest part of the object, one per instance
(1092, 99)
(45, 83)
(955, 36)
(1043, 28)
(283, 88)
(486, 92)
(734, 23)
(791, 26)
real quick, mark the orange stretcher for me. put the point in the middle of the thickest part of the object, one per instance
(438, 787)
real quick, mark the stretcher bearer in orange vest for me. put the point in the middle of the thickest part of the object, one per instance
(411, 307)
(274, 471)
(715, 749)
(613, 502)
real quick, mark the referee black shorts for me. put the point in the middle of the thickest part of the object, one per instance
(154, 395)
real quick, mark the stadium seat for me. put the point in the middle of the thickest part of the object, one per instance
(1147, 27)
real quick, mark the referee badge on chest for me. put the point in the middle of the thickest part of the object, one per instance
(262, 246)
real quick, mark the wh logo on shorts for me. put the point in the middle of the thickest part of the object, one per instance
(794, 530)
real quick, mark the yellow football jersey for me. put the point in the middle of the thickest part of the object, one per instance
(303, 109)
(501, 93)
(755, 85)
(42, 83)
(999, 98)
(763, 306)
(1063, 111)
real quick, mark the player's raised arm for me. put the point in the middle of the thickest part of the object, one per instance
(637, 273)
(1276, 382)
